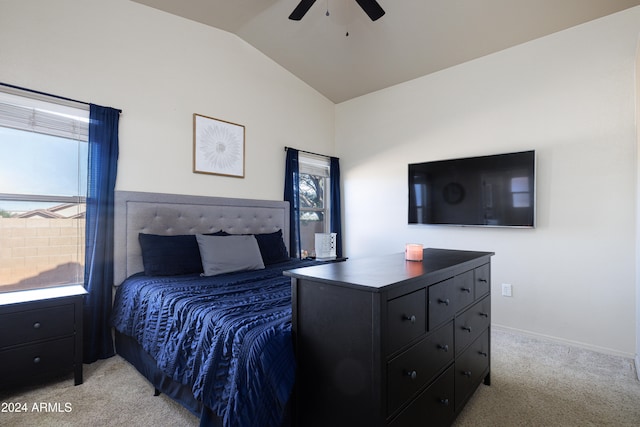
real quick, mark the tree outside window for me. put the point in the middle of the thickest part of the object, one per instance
(314, 201)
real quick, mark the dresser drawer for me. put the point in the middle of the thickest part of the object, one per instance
(482, 280)
(441, 302)
(413, 369)
(471, 367)
(31, 325)
(406, 319)
(470, 324)
(463, 289)
(36, 359)
(434, 406)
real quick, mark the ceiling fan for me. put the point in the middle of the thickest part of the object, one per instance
(370, 7)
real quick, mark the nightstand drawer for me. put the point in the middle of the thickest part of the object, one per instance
(26, 326)
(414, 368)
(36, 359)
(407, 319)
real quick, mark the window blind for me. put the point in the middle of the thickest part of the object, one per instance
(29, 113)
(314, 165)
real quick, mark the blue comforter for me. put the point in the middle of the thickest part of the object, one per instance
(228, 337)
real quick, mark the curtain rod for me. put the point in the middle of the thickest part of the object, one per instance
(308, 152)
(37, 92)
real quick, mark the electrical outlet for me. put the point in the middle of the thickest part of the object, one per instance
(506, 290)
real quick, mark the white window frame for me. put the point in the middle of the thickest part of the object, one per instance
(319, 166)
(39, 113)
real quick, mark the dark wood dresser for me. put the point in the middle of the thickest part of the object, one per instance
(40, 334)
(387, 342)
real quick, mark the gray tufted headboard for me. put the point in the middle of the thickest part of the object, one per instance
(171, 214)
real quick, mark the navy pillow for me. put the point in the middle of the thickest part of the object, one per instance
(272, 247)
(170, 255)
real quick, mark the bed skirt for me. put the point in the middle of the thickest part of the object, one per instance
(132, 352)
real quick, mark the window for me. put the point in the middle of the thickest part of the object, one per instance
(520, 192)
(43, 184)
(314, 200)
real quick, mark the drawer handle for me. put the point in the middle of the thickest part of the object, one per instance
(411, 318)
(466, 328)
(445, 402)
(36, 359)
(466, 290)
(411, 374)
(443, 301)
(467, 373)
(444, 348)
(36, 325)
(484, 314)
(482, 353)
(482, 280)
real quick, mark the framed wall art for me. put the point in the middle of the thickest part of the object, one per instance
(218, 147)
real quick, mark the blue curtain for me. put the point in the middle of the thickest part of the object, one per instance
(291, 195)
(98, 273)
(336, 211)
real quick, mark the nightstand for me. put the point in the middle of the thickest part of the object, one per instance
(41, 334)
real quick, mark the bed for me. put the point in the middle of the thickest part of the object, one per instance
(202, 308)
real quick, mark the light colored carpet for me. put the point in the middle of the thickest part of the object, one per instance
(113, 394)
(536, 382)
(533, 383)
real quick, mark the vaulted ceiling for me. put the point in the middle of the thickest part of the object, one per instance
(412, 39)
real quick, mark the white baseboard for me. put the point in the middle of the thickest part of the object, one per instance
(597, 349)
(638, 366)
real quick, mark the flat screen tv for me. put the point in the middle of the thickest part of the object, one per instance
(490, 191)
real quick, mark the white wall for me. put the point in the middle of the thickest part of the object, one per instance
(637, 359)
(160, 69)
(570, 96)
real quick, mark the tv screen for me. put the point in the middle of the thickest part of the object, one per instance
(494, 191)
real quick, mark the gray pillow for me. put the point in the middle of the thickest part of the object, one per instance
(226, 254)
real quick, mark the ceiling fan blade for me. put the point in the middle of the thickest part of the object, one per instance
(371, 8)
(301, 9)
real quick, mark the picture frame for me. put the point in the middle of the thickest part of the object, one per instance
(218, 147)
